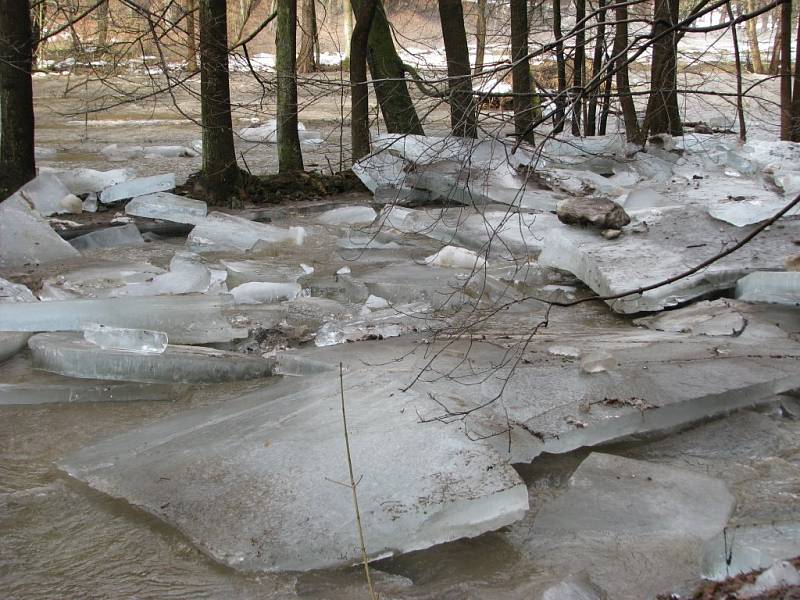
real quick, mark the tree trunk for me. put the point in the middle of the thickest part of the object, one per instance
(347, 27)
(220, 171)
(17, 165)
(521, 71)
(786, 70)
(738, 62)
(359, 92)
(462, 104)
(752, 38)
(662, 114)
(632, 132)
(480, 36)
(578, 67)
(561, 66)
(597, 67)
(290, 156)
(796, 89)
(775, 57)
(191, 46)
(307, 59)
(102, 25)
(388, 74)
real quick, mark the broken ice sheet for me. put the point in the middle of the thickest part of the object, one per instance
(48, 196)
(258, 292)
(348, 215)
(380, 324)
(26, 238)
(97, 279)
(131, 340)
(137, 187)
(774, 287)
(749, 211)
(221, 231)
(167, 207)
(12, 342)
(84, 181)
(243, 483)
(711, 318)
(748, 548)
(71, 355)
(109, 237)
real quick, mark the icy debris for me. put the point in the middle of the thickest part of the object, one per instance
(12, 342)
(26, 238)
(367, 242)
(702, 318)
(382, 169)
(130, 340)
(85, 181)
(348, 215)
(167, 207)
(748, 211)
(187, 274)
(782, 574)
(390, 322)
(99, 280)
(245, 271)
(70, 355)
(48, 196)
(258, 292)
(118, 153)
(293, 365)
(109, 237)
(575, 587)
(776, 287)
(221, 231)
(598, 212)
(269, 133)
(140, 186)
(598, 361)
(457, 258)
(243, 483)
(187, 319)
(565, 351)
(343, 271)
(678, 240)
(749, 548)
(90, 204)
(376, 302)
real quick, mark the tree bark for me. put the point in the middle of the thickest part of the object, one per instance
(775, 57)
(220, 172)
(597, 67)
(359, 92)
(463, 119)
(796, 89)
(738, 63)
(191, 45)
(347, 27)
(662, 114)
(752, 39)
(102, 25)
(290, 156)
(561, 66)
(632, 132)
(521, 71)
(578, 67)
(480, 37)
(17, 165)
(307, 58)
(388, 74)
(786, 70)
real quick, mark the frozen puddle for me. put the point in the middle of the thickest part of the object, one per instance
(256, 484)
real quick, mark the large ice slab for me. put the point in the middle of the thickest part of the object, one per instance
(187, 274)
(12, 342)
(100, 279)
(348, 215)
(221, 231)
(110, 237)
(748, 211)
(749, 548)
(71, 355)
(168, 207)
(186, 319)
(715, 318)
(84, 181)
(27, 239)
(140, 186)
(48, 196)
(676, 240)
(775, 287)
(121, 338)
(245, 485)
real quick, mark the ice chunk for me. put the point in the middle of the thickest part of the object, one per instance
(48, 196)
(565, 351)
(71, 355)
(109, 237)
(348, 215)
(575, 587)
(99, 280)
(26, 238)
(269, 133)
(455, 257)
(703, 318)
(85, 181)
(390, 322)
(782, 574)
(115, 152)
(12, 342)
(741, 212)
(168, 207)
(258, 292)
(598, 362)
(384, 169)
(677, 240)
(130, 340)
(221, 232)
(376, 302)
(776, 287)
(90, 204)
(187, 319)
(140, 186)
(245, 485)
(749, 548)
(187, 274)
(245, 271)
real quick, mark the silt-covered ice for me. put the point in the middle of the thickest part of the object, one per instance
(774, 287)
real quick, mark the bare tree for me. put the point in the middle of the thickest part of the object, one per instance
(662, 114)
(306, 58)
(191, 45)
(480, 36)
(786, 70)
(463, 118)
(290, 155)
(521, 71)
(359, 92)
(632, 132)
(561, 67)
(752, 38)
(578, 66)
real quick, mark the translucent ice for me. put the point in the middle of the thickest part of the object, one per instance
(702, 318)
(48, 196)
(455, 257)
(187, 274)
(26, 238)
(258, 292)
(168, 207)
(221, 232)
(777, 287)
(71, 355)
(748, 548)
(12, 342)
(748, 211)
(137, 187)
(598, 361)
(348, 215)
(100, 279)
(244, 271)
(130, 340)
(110, 237)
(782, 574)
(84, 181)
(390, 322)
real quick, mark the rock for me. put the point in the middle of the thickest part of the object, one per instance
(792, 262)
(597, 212)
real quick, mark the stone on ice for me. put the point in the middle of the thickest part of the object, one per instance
(110, 237)
(457, 258)
(245, 485)
(186, 319)
(675, 241)
(167, 207)
(26, 238)
(749, 548)
(71, 355)
(130, 340)
(597, 212)
(776, 287)
(702, 318)
(348, 215)
(261, 292)
(140, 186)
(221, 231)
